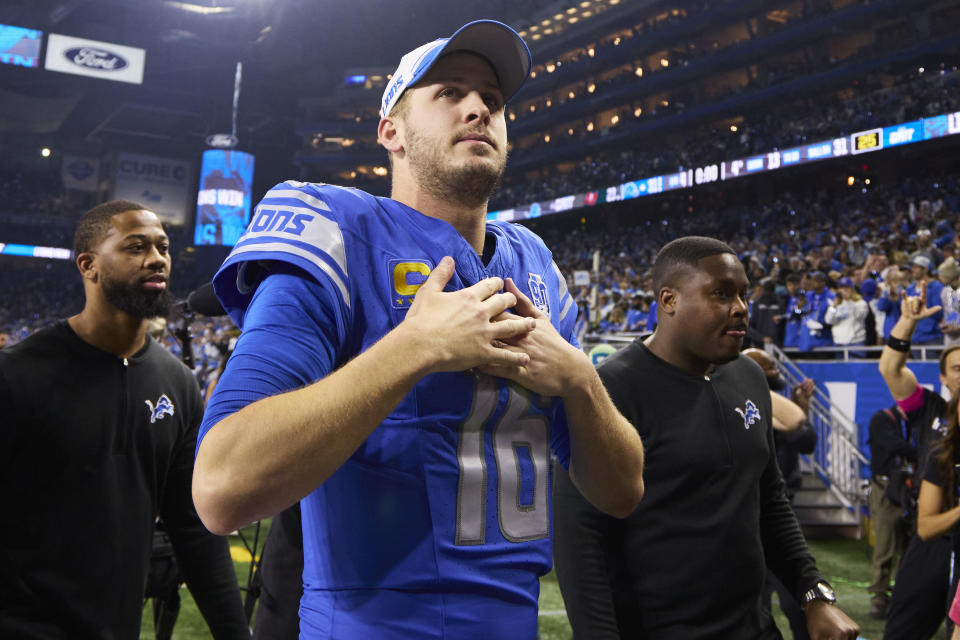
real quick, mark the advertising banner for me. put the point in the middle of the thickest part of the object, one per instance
(95, 59)
(162, 184)
(80, 173)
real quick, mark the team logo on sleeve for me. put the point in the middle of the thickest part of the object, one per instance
(538, 293)
(750, 414)
(163, 408)
(408, 276)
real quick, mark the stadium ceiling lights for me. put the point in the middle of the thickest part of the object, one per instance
(203, 10)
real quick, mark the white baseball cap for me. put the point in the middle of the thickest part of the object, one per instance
(500, 45)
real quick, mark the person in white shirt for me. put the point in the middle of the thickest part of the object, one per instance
(847, 315)
(949, 274)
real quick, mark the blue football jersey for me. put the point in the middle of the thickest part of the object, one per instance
(439, 525)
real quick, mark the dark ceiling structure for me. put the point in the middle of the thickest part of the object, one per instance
(289, 49)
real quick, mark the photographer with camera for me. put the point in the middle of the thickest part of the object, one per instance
(893, 499)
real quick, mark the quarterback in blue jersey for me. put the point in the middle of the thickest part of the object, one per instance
(405, 370)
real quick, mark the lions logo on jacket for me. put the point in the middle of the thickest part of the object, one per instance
(163, 408)
(749, 413)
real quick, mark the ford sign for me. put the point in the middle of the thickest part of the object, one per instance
(222, 141)
(92, 58)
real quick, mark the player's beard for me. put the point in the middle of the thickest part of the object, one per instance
(468, 184)
(134, 299)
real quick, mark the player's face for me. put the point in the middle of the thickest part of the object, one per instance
(951, 379)
(454, 133)
(711, 310)
(134, 264)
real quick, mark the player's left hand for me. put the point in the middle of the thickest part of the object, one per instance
(826, 621)
(555, 365)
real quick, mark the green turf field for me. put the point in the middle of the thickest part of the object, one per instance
(845, 563)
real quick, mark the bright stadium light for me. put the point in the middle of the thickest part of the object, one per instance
(190, 7)
(850, 181)
(45, 152)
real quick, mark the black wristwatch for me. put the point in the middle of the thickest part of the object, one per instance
(820, 591)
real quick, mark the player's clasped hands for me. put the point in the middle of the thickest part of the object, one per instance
(915, 307)
(457, 324)
(555, 365)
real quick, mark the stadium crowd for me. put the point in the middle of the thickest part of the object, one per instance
(874, 101)
(891, 237)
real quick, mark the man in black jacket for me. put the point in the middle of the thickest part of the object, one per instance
(97, 438)
(893, 458)
(690, 561)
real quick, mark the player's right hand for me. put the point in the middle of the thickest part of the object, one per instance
(456, 326)
(915, 307)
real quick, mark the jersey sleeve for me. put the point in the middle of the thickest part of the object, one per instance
(298, 224)
(290, 339)
(566, 318)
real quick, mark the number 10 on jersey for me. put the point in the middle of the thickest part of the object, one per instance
(516, 434)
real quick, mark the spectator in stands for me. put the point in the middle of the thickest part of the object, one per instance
(949, 276)
(97, 440)
(793, 311)
(926, 248)
(893, 460)
(765, 311)
(921, 588)
(639, 310)
(847, 316)
(887, 303)
(928, 329)
(815, 332)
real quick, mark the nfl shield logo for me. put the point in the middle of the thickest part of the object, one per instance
(538, 293)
